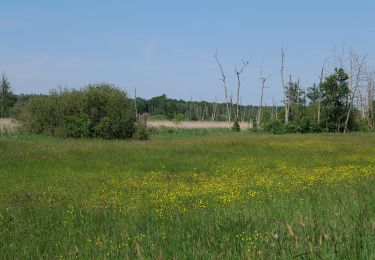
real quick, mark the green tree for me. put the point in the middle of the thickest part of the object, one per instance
(313, 94)
(8, 99)
(335, 92)
(98, 110)
(296, 97)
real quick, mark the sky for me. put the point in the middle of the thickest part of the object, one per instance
(168, 46)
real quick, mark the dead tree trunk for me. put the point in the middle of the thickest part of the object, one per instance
(275, 105)
(286, 101)
(320, 92)
(238, 73)
(370, 100)
(230, 104)
(261, 102)
(190, 106)
(263, 80)
(362, 103)
(214, 110)
(135, 103)
(223, 79)
(356, 70)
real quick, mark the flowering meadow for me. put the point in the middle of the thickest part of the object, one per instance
(230, 196)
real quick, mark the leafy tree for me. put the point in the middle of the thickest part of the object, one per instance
(313, 94)
(296, 98)
(295, 93)
(236, 126)
(98, 110)
(335, 92)
(8, 99)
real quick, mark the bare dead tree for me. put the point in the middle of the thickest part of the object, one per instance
(322, 76)
(263, 80)
(362, 102)
(142, 119)
(214, 109)
(274, 106)
(286, 100)
(2, 91)
(238, 73)
(366, 96)
(334, 57)
(273, 110)
(242, 112)
(135, 102)
(223, 79)
(190, 106)
(340, 59)
(204, 111)
(230, 104)
(356, 69)
(370, 99)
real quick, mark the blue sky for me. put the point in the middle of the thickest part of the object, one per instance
(168, 46)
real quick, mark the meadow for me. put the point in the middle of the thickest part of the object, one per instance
(189, 195)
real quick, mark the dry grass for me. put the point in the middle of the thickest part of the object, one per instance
(7, 125)
(195, 124)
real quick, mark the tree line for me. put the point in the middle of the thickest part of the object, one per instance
(341, 101)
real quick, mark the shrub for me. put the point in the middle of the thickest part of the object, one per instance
(98, 110)
(272, 126)
(178, 118)
(142, 133)
(304, 125)
(76, 126)
(194, 117)
(236, 126)
(277, 127)
(315, 128)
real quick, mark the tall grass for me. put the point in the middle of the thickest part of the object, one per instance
(217, 195)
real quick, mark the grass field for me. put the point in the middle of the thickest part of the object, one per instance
(219, 195)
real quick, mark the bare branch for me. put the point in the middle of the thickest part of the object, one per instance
(286, 101)
(263, 86)
(244, 64)
(322, 75)
(356, 70)
(223, 79)
(238, 73)
(220, 66)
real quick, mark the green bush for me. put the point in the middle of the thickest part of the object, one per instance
(356, 122)
(305, 126)
(178, 118)
(236, 126)
(272, 126)
(277, 127)
(142, 133)
(98, 110)
(315, 128)
(76, 126)
(194, 117)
